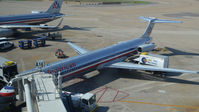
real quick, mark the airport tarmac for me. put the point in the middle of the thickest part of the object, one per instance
(94, 27)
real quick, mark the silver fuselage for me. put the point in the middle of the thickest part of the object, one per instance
(94, 59)
(31, 19)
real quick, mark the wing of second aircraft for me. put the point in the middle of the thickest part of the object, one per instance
(131, 66)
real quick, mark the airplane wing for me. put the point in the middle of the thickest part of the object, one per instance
(77, 48)
(18, 26)
(131, 66)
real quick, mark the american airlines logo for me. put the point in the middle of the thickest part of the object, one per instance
(62, 67)
(56, 5)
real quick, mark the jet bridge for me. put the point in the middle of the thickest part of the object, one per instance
(41, 93)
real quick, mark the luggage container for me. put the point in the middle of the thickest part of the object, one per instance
(25, 44)
(38, 42)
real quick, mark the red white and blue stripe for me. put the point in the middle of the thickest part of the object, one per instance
(7, 91)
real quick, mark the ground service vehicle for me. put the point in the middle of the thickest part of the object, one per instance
(8, 69)
(52, 35)
(78, 102)
(39, 42)
(5, 45)
(25, 44)
(60, 53)
(153, 60)
(159, 61)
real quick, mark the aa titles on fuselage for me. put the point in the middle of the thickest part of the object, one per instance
(63, 67)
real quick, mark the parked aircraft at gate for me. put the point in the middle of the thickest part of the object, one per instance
(109, 57)
(9, 24)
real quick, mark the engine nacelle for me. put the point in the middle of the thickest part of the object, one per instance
(6, 32)
(146, 47)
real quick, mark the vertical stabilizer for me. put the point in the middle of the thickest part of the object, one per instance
(55, 7)
(152, 22)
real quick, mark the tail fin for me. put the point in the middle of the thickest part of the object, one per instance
(152, 21)
(55, 7)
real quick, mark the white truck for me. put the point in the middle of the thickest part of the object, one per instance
(153, 60)
(78, 102)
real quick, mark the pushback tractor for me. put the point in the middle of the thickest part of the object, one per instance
(78, 102)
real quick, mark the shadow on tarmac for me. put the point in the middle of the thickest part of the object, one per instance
(110, 75)
(102, 109)
(30, 34)
(179, 52)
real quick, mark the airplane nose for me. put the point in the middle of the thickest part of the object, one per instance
(7, 91)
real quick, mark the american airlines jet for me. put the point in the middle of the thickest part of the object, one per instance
(109, 57)
(8, 24)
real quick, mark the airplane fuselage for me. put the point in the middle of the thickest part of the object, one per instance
(93, 60)
(31, 19)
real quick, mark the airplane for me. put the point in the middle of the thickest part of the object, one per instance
(9, 24)
(7, 96)
(109, 57)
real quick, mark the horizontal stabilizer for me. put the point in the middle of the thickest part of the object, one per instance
(155, 20)
(151, 22)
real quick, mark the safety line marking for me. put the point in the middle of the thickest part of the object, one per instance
(102, 95)
(115, 96)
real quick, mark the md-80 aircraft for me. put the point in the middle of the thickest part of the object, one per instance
(9, 24)
(109, 57)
